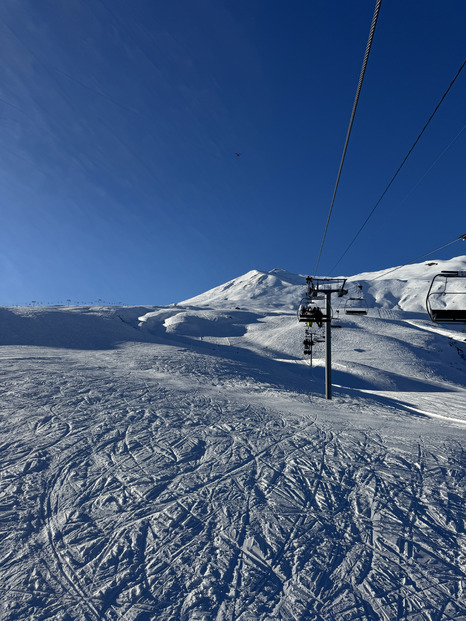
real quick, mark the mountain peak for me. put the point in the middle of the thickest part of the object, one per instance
(402, 288)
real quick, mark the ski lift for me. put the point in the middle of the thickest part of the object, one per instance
(336, 317)
(446, 298)
(310, 313)
(356, 304)
(308, 343)
(311, 339)
(318, 287)
(312, 333)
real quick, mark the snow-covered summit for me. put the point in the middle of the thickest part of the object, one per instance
(404, 288)
(255, 289)
(400, 288)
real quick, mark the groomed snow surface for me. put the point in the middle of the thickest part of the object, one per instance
(181, 462)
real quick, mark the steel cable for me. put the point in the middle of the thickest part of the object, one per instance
(353, 113)
(400, 166)
(463, 237)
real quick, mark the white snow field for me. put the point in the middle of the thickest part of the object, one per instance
(181, 463)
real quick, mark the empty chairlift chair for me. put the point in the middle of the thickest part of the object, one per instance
(446, 298)
(356, 304)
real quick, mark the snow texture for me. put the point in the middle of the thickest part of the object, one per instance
(181, 463)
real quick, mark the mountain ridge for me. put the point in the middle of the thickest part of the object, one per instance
(397, 288)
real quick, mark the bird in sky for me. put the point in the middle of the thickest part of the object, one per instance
(237, 154)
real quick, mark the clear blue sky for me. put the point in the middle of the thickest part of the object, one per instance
(120, 122)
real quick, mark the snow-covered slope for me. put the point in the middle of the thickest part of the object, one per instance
(275, 289)
(403, 288)
(180, 462)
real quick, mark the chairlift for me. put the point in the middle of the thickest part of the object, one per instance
(446, 298)
(308, 343)
(311, 339)
(336, 317)
(315, 336)
(310, 313)
(356, 304)
(319, 287)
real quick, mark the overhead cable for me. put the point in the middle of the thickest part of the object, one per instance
(353, 113)
(463, 237)
(434, 162)
(401, 165)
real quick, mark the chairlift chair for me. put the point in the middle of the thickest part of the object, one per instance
(311, 339)
(310, 313)
(356, 305)
(312, 334)
(446, 298)
(308, 343)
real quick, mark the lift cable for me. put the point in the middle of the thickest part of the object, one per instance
(463, 237)
(439, 157)
(401, 165)
(355, 104)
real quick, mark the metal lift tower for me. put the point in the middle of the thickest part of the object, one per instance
(322, 288)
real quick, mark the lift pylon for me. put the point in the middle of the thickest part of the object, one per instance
(309, 312)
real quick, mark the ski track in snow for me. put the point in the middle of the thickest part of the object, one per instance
(135, 488)
(196, 472)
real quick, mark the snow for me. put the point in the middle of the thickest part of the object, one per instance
(181, 462)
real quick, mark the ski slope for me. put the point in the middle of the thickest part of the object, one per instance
(181, 462)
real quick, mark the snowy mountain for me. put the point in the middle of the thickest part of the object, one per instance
(275, 289)
(398, 288)
(180, 462)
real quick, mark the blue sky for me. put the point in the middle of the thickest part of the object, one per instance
(120, 123)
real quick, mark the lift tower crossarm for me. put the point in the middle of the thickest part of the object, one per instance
(316, 286)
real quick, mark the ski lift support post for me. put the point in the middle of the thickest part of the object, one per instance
(316, 287)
